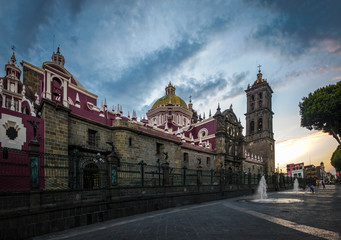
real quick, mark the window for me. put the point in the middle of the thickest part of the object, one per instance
(260, 95)
(252, 127)
(260, 124)
(252, 104)
(57, 89)
(208, 161)
(159, 148)
(185, 159)
(25, 110)
(8, 103)
(92, 137)
(130, 142)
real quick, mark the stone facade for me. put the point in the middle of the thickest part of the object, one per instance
(56, 128)
(229, 140)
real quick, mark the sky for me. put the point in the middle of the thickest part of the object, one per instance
(128, 51)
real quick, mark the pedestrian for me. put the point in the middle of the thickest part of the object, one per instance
(312, 188)
(324, 185)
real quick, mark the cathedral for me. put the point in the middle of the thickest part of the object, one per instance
(71, 120)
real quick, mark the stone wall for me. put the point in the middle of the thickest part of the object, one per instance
(46, 212)
(31, 79)
(207, 160)
(253, 168)
(264, 147)
(144, 148)
(56, 128)
(78, 134)
(56, 143)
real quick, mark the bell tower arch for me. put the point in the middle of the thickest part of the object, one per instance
(259, 137)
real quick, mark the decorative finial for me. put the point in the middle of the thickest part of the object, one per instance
(218, 109)
(259, 67)
(13, 55)
(209, 113)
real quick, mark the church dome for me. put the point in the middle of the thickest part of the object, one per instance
(175, 100)
(170, 98)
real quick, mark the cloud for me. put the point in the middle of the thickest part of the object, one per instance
(286, 80)
(298, 25)
(26, 23)
(135, 84)
(337, 78)
(312, 148)
(201, 89)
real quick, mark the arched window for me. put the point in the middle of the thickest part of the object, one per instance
(260, 124)
(260, 96)
(252, 127)
(252, 102)
(25, 109)
(57, 89)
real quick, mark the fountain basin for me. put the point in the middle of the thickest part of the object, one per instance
(276, 200)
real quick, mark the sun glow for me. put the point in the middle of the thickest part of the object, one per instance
(310, 149)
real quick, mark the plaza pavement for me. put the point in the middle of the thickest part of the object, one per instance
(318, 217)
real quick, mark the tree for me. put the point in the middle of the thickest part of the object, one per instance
(321, 110)
(336, 159)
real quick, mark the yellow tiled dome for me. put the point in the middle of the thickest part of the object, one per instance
(175, 100)
(170, 97)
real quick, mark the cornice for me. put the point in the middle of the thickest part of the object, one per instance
(32, 67)
(73, 86)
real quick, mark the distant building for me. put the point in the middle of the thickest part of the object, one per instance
(316, 172)
(296, 170)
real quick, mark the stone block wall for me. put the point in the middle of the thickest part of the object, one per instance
(207, 160)
(56, 143)
(79, 134)
(31, 79)
(253, 167)
(143, 147)
(56, 128)
(264, 147)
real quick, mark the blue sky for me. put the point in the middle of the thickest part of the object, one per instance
(128, 51)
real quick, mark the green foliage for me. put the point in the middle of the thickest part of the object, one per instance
(336, 159)
(321, 110)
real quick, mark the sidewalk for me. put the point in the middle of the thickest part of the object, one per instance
(317, 217)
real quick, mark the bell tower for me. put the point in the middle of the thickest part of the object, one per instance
(259, 137)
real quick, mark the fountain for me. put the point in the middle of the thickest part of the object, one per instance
(261, 190)
(296, 190)
(262, 196)
(296, 185)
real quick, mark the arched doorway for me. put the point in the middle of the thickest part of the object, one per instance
(91, 176)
